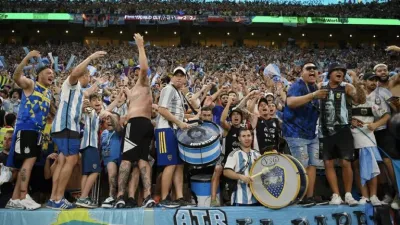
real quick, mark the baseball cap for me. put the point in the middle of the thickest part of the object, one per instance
(336, 66)
(179, 69)
(262, 100)
(136, 68)
(368, 76)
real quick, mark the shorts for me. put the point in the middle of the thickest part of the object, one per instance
(304, 150)
(139, 132)
(167, 147)
(111, 160)
(25, 144)
(338, 146)
(387, 143)
(374, 149)
(90, 161)
(68, 142)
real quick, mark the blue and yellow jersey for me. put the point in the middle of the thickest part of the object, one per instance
(34, 109)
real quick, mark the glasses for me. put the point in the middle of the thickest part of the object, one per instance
(308, 68)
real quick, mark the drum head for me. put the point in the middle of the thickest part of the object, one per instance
(303, 179)
(280, 185)
(202, 135)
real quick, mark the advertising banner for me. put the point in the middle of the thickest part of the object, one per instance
(294, 215)
(36, 16)
(325, 20)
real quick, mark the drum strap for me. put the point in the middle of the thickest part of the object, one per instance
(185, 100)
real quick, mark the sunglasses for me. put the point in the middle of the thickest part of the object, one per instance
(308, 68)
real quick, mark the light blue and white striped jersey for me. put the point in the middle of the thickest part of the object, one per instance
(91, 130)
(236, 161)
(122, 111)
(70, 108)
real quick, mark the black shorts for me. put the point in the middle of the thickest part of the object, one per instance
(387, 142)
(338, 146)
(25, 144)
(139, 132)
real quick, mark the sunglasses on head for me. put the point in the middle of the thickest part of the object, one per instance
(308, 68)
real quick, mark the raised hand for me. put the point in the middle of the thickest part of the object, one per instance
(32, 54)
(97, 55)
(138, 39)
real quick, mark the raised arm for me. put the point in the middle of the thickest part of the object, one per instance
(144, 67)
(20, 80)
(81, 69)
(224, 115)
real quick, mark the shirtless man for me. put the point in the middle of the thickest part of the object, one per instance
(139, 132)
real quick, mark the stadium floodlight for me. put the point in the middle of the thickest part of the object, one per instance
(252, 34)
(146, 32)
(280, 34)
(12, 31)
(351, 35)
(330, 35)
(228, 33)
(303, 35)
(120, 32)
(374, 36)
(38, 31)
(199, 33)
(174, 32)
(66, 31)
(398, 36)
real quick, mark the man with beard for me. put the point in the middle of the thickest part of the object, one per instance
(238, 167)
(336, 137)
(31, 120)
(66, 127)
(300, 122)
(380, 96)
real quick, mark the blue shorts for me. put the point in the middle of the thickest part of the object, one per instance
(90, 161)
(304, 150)
(68, 142)
(107, 160)
(167, 147)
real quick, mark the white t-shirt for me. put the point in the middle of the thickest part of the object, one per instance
(236, 161)
(362, 135)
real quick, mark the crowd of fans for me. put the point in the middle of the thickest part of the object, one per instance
(221, 8)
(224, 84)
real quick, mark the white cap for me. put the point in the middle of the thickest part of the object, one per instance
(380, 65)
(181, 69)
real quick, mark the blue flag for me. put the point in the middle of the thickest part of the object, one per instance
(56, 64)
(70, 61)
(27, 52)
(3, 61)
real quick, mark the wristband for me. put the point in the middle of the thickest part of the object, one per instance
(313, 95)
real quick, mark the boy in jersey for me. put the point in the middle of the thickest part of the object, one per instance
(31, 120)
(231, 128)
(267, 129)
(238, 167)
(110, 149)
(90, 156)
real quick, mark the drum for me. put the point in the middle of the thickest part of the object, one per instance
(280, 180)
(201, 186)
(200, 144)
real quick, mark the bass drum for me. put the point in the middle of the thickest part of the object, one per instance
(200, 145)
(284, 182)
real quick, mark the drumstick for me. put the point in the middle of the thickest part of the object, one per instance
(264, 170)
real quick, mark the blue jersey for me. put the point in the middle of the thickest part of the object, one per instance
(34, 109)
